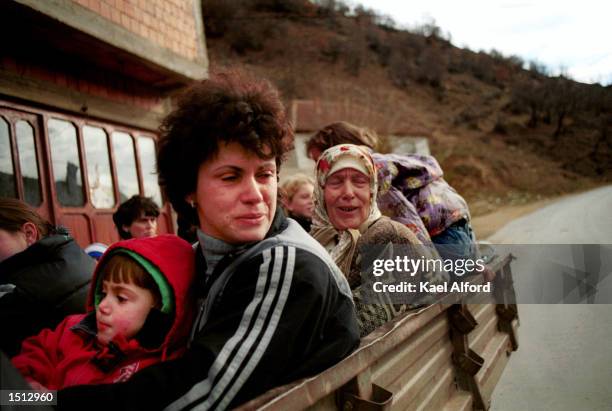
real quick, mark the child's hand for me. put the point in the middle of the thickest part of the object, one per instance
(37, 386)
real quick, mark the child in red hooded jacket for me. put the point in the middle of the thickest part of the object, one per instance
(139, 313)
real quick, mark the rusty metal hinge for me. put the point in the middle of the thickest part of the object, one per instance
(470, 362)
(461, 319)
(380, 400)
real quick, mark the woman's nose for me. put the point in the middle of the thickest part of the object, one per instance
(347, 189)
(252, 191)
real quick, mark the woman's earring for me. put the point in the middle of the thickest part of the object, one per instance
(192, 204)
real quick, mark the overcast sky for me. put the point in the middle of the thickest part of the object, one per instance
(574, 35)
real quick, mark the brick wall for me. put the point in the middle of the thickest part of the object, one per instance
(168, 23)
(89, 81)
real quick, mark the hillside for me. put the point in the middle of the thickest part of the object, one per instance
(503, 134)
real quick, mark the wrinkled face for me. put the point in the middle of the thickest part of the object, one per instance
(11, 243)
(144, 226)
(236, 195)
(347, 198)
(122, 310)
(302, 202)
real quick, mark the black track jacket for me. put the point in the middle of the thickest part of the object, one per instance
(279, 311)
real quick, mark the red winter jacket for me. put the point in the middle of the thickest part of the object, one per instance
(70, 354)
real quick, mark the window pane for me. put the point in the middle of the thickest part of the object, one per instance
(146, 151)
(98, 167)
(28, 163)
(66, 164)
(7, 173)
(127, 178)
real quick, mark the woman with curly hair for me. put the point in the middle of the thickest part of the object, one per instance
(273, 307)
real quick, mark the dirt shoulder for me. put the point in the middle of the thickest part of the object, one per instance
(487, 224)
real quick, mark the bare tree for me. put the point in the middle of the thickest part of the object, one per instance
(564, 98)
(528, 94)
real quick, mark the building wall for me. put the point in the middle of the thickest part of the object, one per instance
(111, 66)
(168, 23)
(117, 60)
(311, 115)
(86, 80)
(308, 116)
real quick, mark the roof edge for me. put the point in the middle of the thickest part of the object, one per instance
(92, 24)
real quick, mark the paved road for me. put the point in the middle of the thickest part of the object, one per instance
(581, 219)
(564, 360)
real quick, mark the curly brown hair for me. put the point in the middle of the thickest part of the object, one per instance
(228, 107)
(341, 132)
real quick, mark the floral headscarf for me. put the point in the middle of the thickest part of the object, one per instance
(322, 228)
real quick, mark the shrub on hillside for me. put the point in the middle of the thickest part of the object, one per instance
(528, 96)
(378, 45)
(219, 16)
(352, 56)
(500, 126)
(479, 65)
(292, 9)
(250, 36)
(431, 67)
(400, 70)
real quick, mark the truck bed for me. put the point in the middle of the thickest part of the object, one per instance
(447, 356)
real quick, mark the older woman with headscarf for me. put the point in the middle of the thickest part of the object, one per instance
(346, 219)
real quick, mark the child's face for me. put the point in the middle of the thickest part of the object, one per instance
(122, 311)
(302, 202)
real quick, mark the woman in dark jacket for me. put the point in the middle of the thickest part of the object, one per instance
(273, 306)
(44, 274)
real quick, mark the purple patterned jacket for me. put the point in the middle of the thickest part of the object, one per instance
(411, 191)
